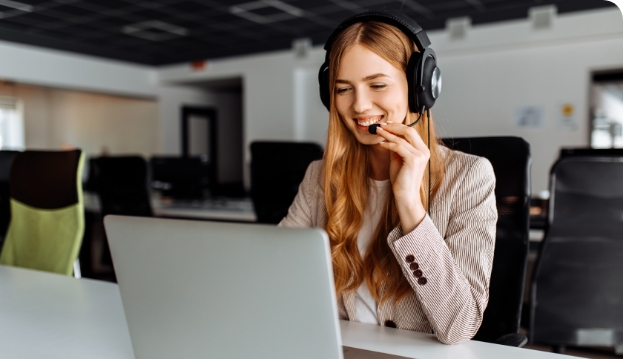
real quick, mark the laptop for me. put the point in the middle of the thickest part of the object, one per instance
(195, 289)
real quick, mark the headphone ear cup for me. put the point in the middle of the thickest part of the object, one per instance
(323, 82)
(426, 98)
(413, 81)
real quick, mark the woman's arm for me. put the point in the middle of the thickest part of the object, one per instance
(301, 211)
(453, 283)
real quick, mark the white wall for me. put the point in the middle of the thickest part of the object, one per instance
(500, 67)
(487, 75)
(268, 94)
(31, 65)
(96, 123)
(39, 66)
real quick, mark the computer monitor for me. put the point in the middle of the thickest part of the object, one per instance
(180, 177)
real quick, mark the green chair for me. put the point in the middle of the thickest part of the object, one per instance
(47, 211)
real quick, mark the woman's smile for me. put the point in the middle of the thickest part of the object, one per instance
(364, 121)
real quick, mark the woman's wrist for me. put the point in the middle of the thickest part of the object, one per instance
(411, 214)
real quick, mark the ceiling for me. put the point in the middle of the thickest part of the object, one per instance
(170, 31)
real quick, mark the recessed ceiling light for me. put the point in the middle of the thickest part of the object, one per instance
(287, 11)
(17, 5)
(154, 30)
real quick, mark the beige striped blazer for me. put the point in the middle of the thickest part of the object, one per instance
(452, 249)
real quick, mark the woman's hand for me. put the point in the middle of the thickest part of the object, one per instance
(409, 157)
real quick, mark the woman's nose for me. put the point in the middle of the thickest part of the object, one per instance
(362, 102)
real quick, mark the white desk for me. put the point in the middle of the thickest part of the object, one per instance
(45, 315)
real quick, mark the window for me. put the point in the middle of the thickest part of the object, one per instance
(11, 124)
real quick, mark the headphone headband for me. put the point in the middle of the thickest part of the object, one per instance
(423, 76)
(394, 18)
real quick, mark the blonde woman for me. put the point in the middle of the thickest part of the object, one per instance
(394, 263)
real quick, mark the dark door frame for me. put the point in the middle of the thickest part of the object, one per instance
(211, 114)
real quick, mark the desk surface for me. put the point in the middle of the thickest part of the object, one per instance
(236, 210)
(239, 210)
(45, 315)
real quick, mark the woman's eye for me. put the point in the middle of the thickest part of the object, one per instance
(342, 90)
(378, 86)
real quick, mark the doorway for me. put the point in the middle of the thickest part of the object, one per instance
(199, 141)
(606, 106)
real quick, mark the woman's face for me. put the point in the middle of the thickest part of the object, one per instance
(369, 90)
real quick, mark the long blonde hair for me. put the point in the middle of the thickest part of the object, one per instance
(347, 171)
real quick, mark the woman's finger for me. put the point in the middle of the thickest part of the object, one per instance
(409, 133)
(390, 137)
(408, 157)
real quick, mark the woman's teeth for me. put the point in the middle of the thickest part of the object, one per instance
(370, 121)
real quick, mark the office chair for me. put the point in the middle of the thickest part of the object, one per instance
(277, 170)
(121, 185)
(6, 160)
(577, 291)
(510, 158)
(47, 211)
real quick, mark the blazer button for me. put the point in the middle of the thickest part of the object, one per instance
(410, 258)
(414, 266)
(417, 274)
(390, 324)
(422, 281)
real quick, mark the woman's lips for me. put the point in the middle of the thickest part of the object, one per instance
(364, 122)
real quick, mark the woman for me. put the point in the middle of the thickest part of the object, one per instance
(395, 264)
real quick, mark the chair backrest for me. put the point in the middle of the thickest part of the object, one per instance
(277, 170)
(47, 211)
(590, 152)
(510, 158)
(121, 184)
(577, 291)
(6, 160)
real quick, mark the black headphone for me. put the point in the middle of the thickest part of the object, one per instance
(423, 75)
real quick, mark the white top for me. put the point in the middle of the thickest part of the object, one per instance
(364, 302)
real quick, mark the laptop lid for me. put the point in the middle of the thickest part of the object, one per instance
(194, 289)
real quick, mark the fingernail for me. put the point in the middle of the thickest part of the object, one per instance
(380, 128)
(388, 122)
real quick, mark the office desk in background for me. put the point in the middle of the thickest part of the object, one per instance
(44, 315)
(235, 210)
(220, 209)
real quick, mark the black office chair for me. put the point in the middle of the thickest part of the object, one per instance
(6, 160)
(510, 158)
(277, 170)
(121, 184)
(577, 290)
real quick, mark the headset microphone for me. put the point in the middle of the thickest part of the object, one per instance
(372, 128)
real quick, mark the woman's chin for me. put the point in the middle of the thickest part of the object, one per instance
(369, 139)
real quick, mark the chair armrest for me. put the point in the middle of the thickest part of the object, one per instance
(512, 340)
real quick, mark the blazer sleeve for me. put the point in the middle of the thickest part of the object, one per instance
(301, 213)
(451, 276)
